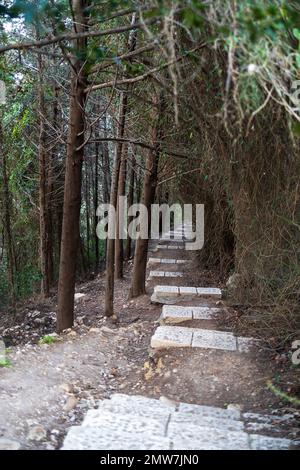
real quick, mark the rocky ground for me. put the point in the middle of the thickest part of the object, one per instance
(48, 387)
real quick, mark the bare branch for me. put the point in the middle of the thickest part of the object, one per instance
(72, 36)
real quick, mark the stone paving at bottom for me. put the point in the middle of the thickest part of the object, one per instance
(166, 336)
(134, 422)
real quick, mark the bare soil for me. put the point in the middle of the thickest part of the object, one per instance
(52, 386)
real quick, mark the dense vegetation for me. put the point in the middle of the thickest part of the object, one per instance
(108, 98)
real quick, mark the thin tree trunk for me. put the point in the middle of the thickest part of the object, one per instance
(43, 186)
(7, 223)
(110, 254)
(130, 202)
(138, 284)
(87, 208)
(106, 165)
(73, 177)
(119, 255)
(96, 202)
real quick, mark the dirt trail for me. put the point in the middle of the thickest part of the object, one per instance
(48, 388)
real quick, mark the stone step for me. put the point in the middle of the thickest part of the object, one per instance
(170, 247)
(164, 415)
(167, 261)
(180, 337)
(165, 274)
(177, 313)
(139, 423)
(166, 294)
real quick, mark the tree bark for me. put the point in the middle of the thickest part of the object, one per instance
(73, 176)
(43, 186)
(6, 201)
(138, 284)
(130, 202)
(96, 203)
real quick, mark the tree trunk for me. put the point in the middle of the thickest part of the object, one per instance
(73, 176)
(50, 188)
(6, 201)
(87, 212)
(130, 202)
(138, 286)
(96, 202)
(43, 186)
(110, 254)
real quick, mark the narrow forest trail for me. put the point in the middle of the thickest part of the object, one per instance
(49, 388)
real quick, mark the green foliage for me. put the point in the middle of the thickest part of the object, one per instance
(5, 363)
(47, 339)
(27, 280)
(4, 290)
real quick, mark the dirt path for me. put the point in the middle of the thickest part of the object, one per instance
(48, 388)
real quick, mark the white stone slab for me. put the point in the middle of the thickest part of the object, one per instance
(259, 442)
(213, 339)
(171, 336)
(206, 438)
(162, 260)
(173, 274)
(210, 411)
(165, 274)
(114, 436)
(209, 292)
(140, 402)
(187, 291)
(205, 313)
(136, 422)
(167, 290)
(94, 416)
(157, 274)
(209, 421)
(173, 314)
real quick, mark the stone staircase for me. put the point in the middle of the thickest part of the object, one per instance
(133, 422)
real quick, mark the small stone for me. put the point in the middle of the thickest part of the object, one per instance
(70, 403)
(95, 330)
(37, 433)
(168, 401)
(7, 444)
(72, 333)
(68, 388)
(78, 296)
(105, 329)
(234, 406)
